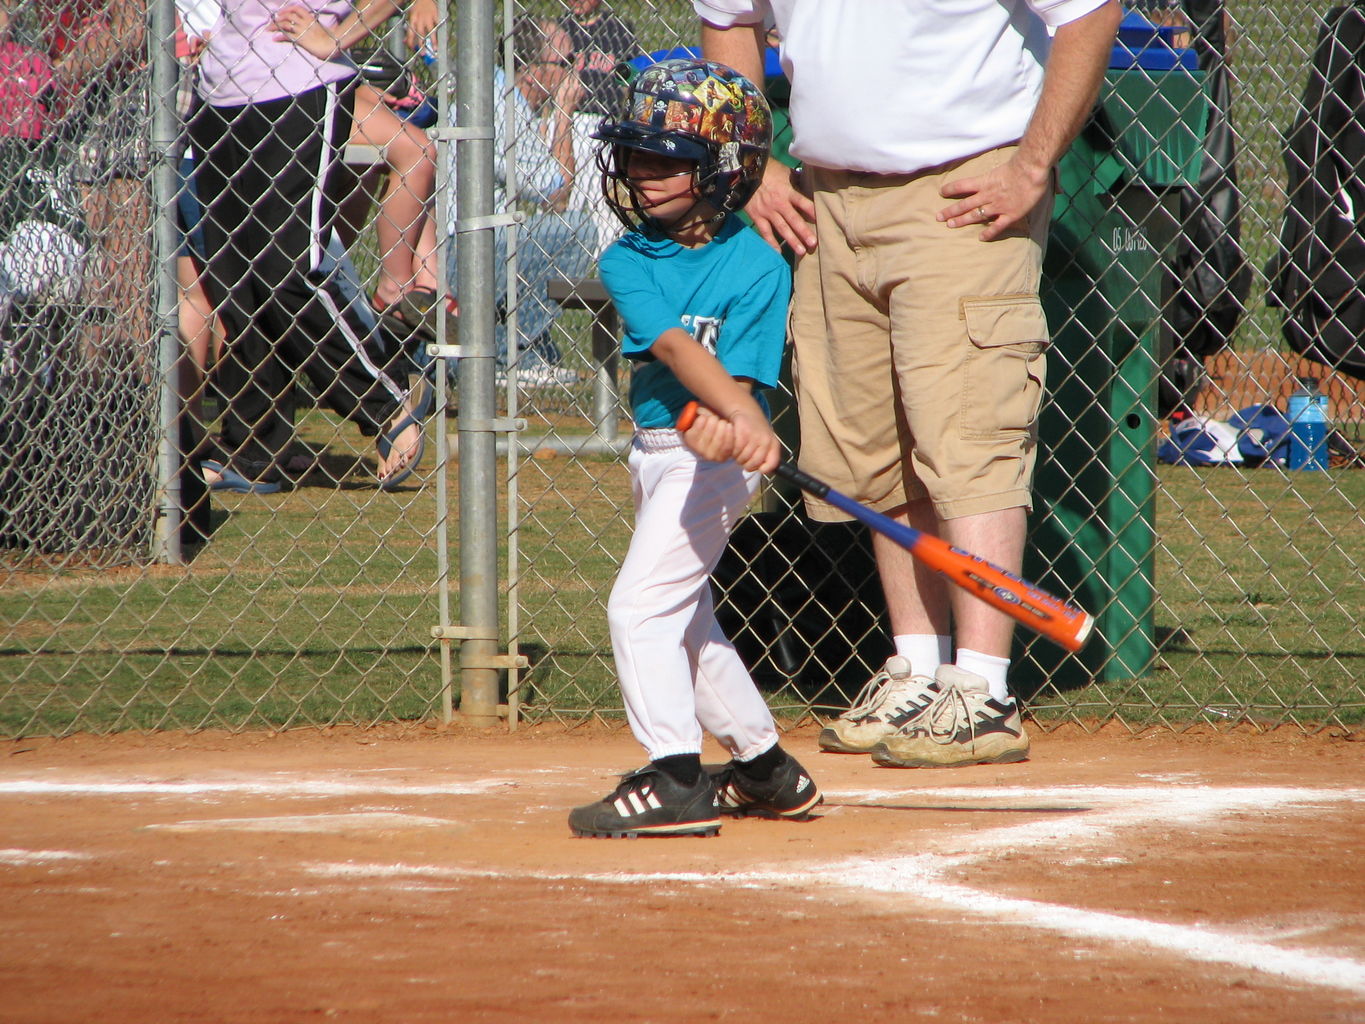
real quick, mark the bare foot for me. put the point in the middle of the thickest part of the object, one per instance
(406, 447)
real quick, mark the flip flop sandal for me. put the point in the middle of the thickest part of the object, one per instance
(384, 445)
(230, 480)
(421, 397)
(410, 332)
(423, 305)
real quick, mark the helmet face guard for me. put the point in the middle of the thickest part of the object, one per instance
(692, 110)
(613, 160)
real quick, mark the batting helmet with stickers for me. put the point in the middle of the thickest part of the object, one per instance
(696, 110)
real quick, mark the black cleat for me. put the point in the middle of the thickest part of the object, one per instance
(650, 802)
(790, 793)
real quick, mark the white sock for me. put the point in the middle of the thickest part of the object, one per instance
(925, 651)
(989, 667)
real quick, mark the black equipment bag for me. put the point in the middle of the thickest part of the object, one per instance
(1316, 277)
(1212, 277)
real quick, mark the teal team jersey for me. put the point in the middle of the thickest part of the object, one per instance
(730, 294)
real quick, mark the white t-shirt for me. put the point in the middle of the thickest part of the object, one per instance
(895, 86)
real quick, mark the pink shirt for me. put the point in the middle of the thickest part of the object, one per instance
(244, 64)
(24, 75)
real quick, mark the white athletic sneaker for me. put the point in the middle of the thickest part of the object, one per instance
(964, 725)
(891, 697)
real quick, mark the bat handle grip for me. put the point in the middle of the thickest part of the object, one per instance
(802, 480)
(688, 416)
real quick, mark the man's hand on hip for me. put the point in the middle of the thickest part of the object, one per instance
(996, 200)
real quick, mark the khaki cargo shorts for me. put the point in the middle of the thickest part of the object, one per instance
(919, 349)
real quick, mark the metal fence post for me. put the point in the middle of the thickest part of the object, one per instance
(165, 130)
(475, 275)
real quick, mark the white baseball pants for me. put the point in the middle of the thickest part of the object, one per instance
(678, 672)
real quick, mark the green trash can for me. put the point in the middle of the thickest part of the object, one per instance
(1114, 224)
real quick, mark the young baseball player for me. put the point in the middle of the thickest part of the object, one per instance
(703, 301)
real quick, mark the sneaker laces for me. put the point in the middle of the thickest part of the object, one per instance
(870, 697)
(944, 717)
(890, 693)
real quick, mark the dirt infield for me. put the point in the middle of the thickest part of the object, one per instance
(430, 876)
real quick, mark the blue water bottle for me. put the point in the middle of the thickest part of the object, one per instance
(1308, 426)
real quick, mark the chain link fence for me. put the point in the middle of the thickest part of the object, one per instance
(134, 597)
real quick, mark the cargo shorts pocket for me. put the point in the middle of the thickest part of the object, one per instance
(1006, 363)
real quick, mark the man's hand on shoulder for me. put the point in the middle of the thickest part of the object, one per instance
(781, 212)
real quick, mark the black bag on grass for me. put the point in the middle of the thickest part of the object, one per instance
(1317, 275)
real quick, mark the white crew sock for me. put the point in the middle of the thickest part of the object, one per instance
(925, 651)
(989, 667)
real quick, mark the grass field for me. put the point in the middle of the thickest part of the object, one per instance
(315, 606)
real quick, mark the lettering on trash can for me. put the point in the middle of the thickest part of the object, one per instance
(1130, 240)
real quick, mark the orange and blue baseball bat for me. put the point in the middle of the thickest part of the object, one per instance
(1023, 601)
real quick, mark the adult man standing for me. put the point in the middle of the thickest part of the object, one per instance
(928, 139)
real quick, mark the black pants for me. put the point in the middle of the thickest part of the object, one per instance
(265, 175)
